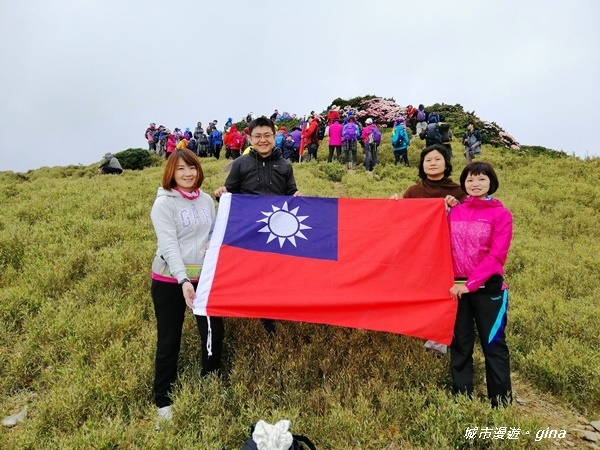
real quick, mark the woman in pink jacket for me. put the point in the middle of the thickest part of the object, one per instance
(480, 233)
(335, 140)
(171, 143)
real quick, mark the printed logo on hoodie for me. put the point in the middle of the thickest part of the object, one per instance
(191, 216)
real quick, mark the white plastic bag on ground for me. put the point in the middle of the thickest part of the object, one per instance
(272, 437)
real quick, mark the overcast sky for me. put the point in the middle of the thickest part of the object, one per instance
(81, 78)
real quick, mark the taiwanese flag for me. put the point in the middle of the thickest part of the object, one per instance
(375, 264)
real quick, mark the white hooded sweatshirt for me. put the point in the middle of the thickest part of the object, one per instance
(183, 228)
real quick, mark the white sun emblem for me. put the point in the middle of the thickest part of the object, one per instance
(283, 224)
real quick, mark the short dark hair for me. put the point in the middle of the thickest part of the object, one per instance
(168, 179)
(261, 122)
(444, 151)
(480, 168)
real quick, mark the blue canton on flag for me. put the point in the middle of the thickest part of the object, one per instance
(294, 226)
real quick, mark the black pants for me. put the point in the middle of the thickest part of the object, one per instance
(349, 147)
(401, 156)
(111, 170)
(338, 152)
(488, 311)
(169, 308)
(312, 151)
(412, 124)
(216, 151)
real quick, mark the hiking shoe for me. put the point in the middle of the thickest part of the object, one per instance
(164, 414)
(436, 347)
(13, 420)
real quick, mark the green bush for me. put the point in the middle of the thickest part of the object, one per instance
(333, 171)
(539, 150)
(134, 159)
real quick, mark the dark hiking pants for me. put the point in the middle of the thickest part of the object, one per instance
(169, 308)
(487, 312)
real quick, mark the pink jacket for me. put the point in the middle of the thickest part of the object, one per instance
(171, 143)
(335, 133)
(480, 235)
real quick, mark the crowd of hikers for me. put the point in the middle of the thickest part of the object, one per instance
(346, 133)
(183, 217)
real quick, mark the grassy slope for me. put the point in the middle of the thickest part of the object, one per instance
(77, 334)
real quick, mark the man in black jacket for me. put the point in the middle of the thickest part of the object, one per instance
(263, 171)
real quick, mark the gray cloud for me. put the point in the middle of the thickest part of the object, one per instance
(83, 78)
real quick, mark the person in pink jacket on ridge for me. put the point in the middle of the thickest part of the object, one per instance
(480, 236)
(335, 140)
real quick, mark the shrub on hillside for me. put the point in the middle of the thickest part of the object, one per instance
(539, 150)
(383, 111)
(333, 171)
(354, 103)
(134, 158)
(289, 124)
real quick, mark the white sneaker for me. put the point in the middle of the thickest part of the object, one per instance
(436, 347)
(164, 414)
(11, 421)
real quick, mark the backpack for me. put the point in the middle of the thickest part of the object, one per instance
(398, 140)
(287, 149)
(192, 145)
(376, 135)
(150, 136)
(421, 116)
(279, 140)
(321, 130)
(445, 134)
(350, 132)
(202, 139)
(432, 134)
(217, 137)
(237, 141)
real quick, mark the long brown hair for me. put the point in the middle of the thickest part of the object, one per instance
(188, 157)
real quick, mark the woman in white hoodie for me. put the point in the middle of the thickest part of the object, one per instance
(183, 218)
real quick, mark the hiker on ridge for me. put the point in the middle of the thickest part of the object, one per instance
(335, 140)
(400, 142)
(421, 119)
(350, 135)
(371, 137)
(472, 142)
(110, 165)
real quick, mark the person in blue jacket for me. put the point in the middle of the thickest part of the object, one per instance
(400, 141)
(215, 141)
